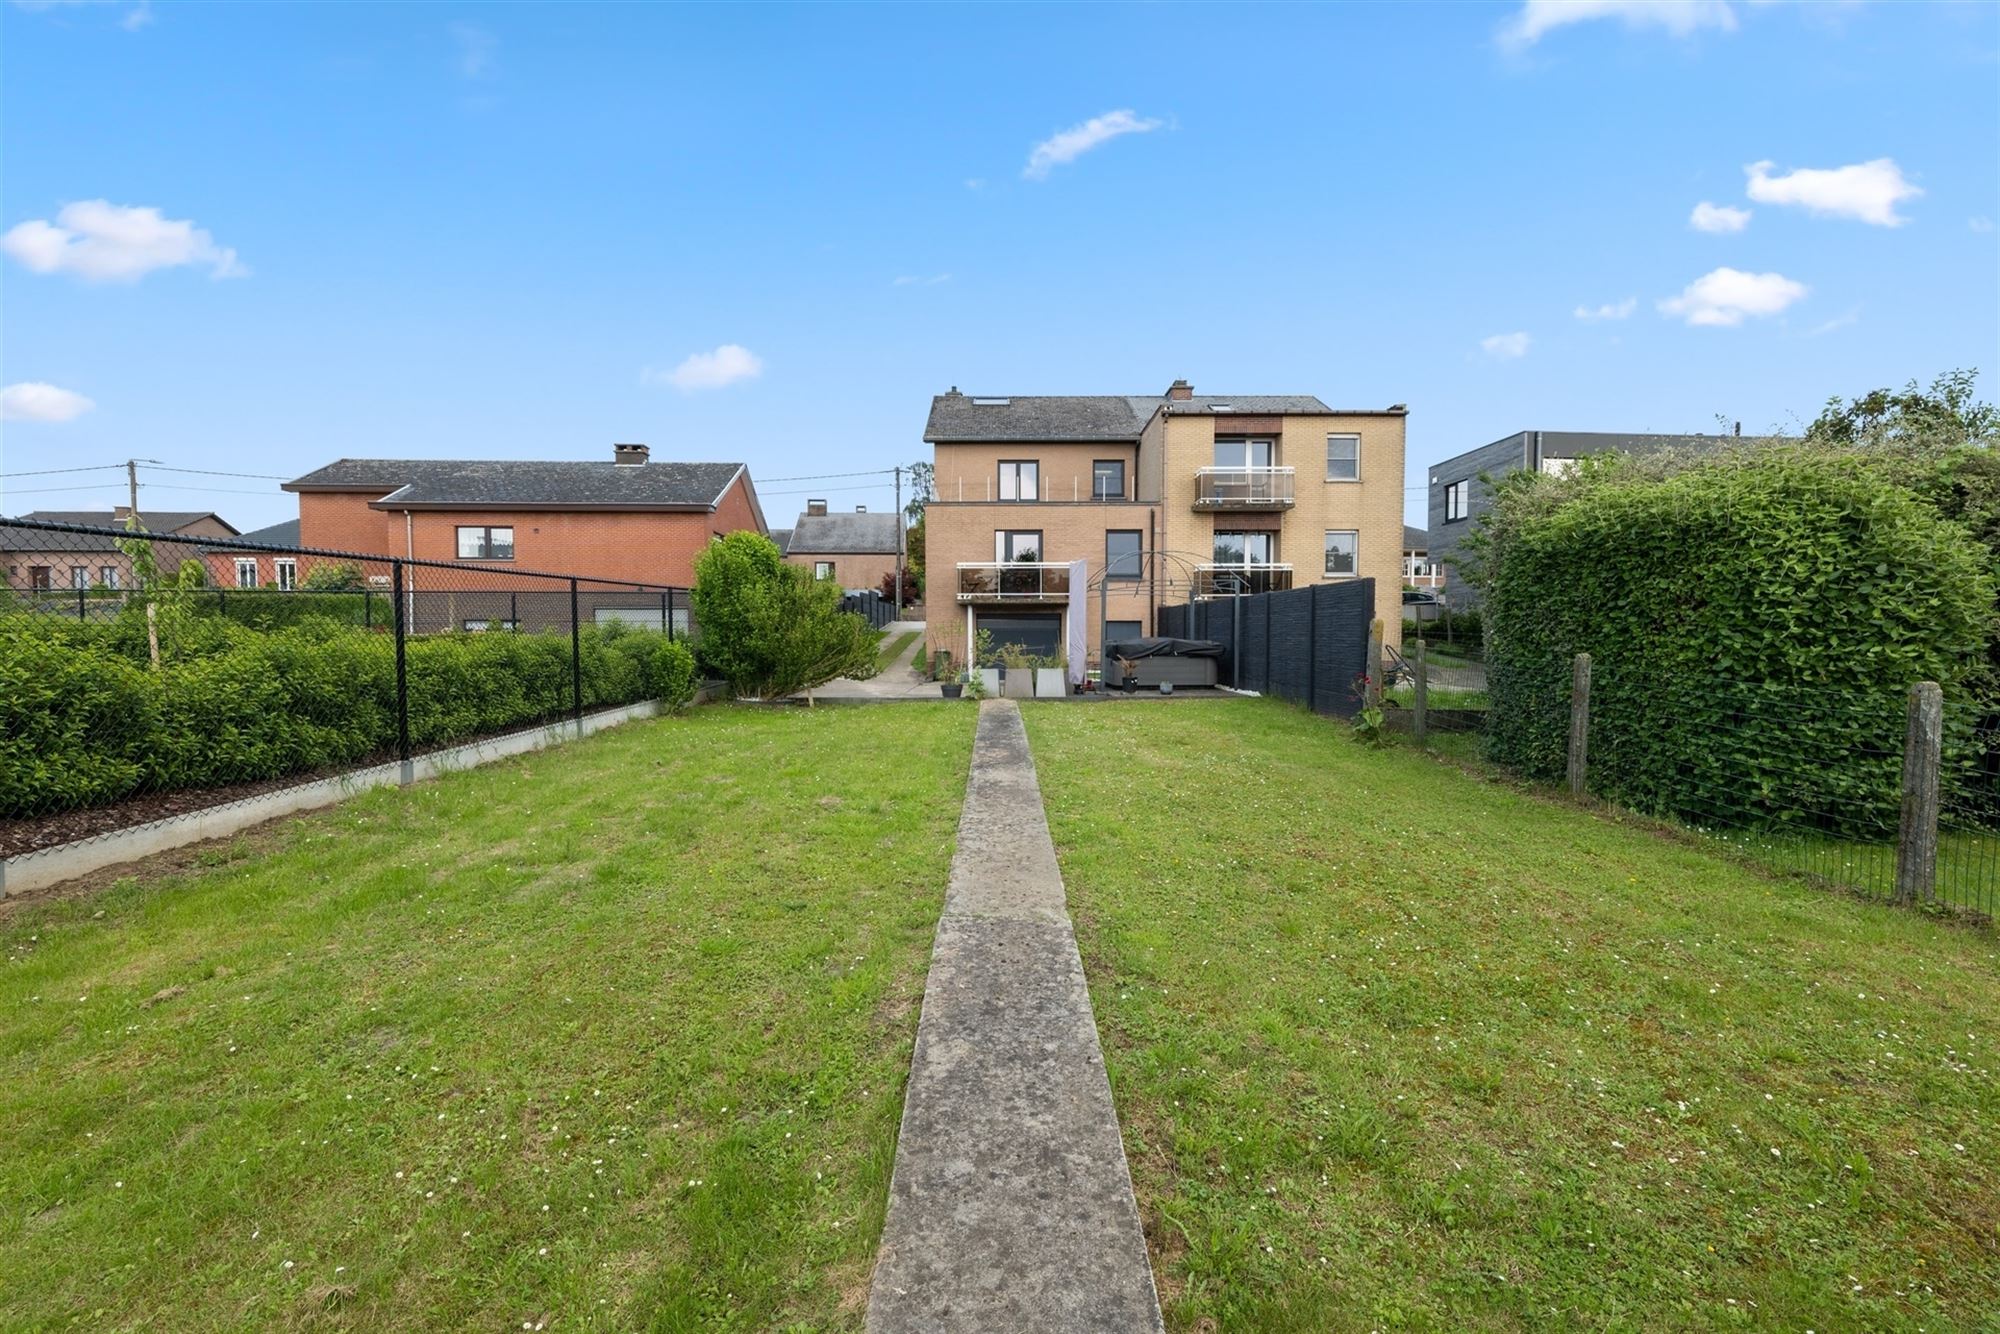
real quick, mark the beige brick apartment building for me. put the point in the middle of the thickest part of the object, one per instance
(1059, 517)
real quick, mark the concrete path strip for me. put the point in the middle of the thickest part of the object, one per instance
(1011, 1204)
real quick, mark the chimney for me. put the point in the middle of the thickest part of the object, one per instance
(815, 507)
(860, 509)
(630, 455)
(121, 512)
(1180, 390)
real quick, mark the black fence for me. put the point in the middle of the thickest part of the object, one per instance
(871, 604)
(1305, 644)
(143, 674)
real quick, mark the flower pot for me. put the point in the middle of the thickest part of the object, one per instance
(989, 677)
(1018, 683)
(1051, 681)
(951, 689)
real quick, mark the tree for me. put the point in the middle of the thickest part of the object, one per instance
(1945, 413)
(923, 490)
(339, 577)
(769, 628)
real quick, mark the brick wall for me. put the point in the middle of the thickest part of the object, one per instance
(850, 569)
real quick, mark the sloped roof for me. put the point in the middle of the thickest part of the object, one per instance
(957, 417)
(844, 535)
(510, 483)
(1416, 539)
(1258, 405)
(783, 537)
(156, 521)
(284, 534)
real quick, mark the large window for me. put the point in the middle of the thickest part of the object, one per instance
(1107, 479)
(108, 576)
(1020, 479)
(246, 571)
(1454, 501)
(79, 576)
(1244, 453)
(485, 543)
(1343, 549)
(287, 574)
(1123, 554)
(1012, 545)
(1343, 458)
(1243, 548)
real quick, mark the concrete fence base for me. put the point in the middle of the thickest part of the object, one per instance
(50, 866)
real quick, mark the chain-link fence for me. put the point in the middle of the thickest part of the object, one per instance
(146, 675)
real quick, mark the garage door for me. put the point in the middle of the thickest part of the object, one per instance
(1037, 632)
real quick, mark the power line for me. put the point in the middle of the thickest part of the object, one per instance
(821, 476)
(44, 490)
(828, 490)
(211, 472)
(44, 472)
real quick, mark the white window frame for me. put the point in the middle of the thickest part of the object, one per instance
(822, 569)
(108, 575)
(285, 574)
(1014, 472)
(246, 571)
(487, 540)
(1343, 435)
(1353, 550)
(1252, 538)
(79, 576)
(1245, 450)
(1457, 500)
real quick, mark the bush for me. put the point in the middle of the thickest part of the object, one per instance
(1753, 627)
(771, 629)
(76, 721)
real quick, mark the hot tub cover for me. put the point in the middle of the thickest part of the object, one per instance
(1134, 649)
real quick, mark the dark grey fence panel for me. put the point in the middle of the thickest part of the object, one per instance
(1308, 644)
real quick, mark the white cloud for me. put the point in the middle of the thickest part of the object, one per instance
(1682, 18)
(139, 17)
(1726, 297)
(134, 19)
(912, 280)
(709, 370)
(1506, 346)
(478, 50)
(1709, 217)
(1611, 310)
(34, 401)
(1980, 223)
(1071, 144)
(1865, 191)
(1851, 318)
(106, 242)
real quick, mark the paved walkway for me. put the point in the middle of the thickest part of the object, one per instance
(899, 680)
(1011, 1206)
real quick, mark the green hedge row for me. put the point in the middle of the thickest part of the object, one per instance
(83, 720)
(1753, 631)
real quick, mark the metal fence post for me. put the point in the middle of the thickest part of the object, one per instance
(1917, 835)
(402, 676)
(1312, 650)
(79, 605)
(575, 659)
(1422, 712)
(1372, 694)
(367, 609)
(670, 615)
(1579, 724)
(666, 613)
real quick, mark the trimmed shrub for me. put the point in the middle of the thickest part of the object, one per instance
(1753, 629)
(76, 721)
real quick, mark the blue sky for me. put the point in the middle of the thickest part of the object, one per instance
(467, 231)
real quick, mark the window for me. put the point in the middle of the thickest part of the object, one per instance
(1342, 553)
(108, 576)
(38, 578)
(1020, 479)
(1123, 554)
(1343, 458)
(1107, 479)
(478, 625)
(1454, 502)
(1017, 545)
(486, 543)
(822, 569)
(246, 571)
(1117, 632)
(1558, 467)
(79, 576)
(1243, 453)
(1242, 548)
(287, 573)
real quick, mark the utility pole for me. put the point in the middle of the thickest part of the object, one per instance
(132, 489)
(132, 524)
(901, 541)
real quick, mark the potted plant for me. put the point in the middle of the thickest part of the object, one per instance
(974, 687)
(1018, 681)
(1052, 676)
(985, 665)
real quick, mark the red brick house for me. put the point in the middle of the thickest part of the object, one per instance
(41, 562)
(626, 519)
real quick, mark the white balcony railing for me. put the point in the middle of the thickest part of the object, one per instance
(1012, 581)
(1221, 581)
(1243, 488)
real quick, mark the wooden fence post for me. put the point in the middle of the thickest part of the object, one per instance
(1917, 835)
(1372, 697)
(1423, 709)
(1579, 724)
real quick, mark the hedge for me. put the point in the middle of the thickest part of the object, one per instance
(1753, 631)
(83, 720)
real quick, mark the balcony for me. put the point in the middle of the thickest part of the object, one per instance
(1012, 581)
(1243, 488)
(1223, 581)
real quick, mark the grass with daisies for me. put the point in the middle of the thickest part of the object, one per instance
(1397, 1047)
(610, 1036)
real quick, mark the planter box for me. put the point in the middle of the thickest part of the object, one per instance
(1018, 683)
(989, 677)
(1051, 681)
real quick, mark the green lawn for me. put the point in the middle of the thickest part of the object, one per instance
(891, 649)
(612, 1036)
(1396, 1047)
